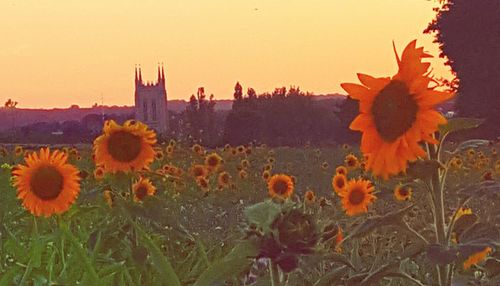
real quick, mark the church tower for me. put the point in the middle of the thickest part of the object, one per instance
(151, 101)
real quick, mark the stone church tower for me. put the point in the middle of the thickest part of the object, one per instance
(151, 101)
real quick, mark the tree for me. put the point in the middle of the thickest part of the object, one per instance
(200, 117)
(468, 33)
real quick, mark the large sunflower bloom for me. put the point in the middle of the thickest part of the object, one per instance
(397, 113)
(357, 196)
(47, 185)
(125, 148)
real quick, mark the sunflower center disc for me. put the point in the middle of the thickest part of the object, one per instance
(394, 110)
(124, 146)
(280, 187)
(46, 183)
(212, 161)
(356, 196)
(141, 193)
(403, 192)
(340, 183)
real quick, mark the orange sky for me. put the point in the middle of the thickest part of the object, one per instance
(57, 53)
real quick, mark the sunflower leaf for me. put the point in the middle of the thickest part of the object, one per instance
(263, 214)
(331, 277)
(458, 124)
(232, 264)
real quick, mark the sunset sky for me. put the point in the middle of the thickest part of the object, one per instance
(56, 53)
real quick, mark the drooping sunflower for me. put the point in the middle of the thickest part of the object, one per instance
(402, 193)
(476, 257)
(280, 186)
(357, 196)
(224, 179)
(47, 184)
(339, 183)
(397, 113)
(125, 148)
(213, 161)
(143, 188)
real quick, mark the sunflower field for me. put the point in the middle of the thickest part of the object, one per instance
(404, 207)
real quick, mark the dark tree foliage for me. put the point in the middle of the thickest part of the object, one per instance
(468, 32)
(200, 118)
(283, 117)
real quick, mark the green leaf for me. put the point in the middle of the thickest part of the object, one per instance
(392, 218)
(473, 143)
(458, 124)
(232, 264)
(263, 214)
(331, 277)
(440, 255)
(160, 262)
(423, 169)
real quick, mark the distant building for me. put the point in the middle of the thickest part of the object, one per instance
(151, 101)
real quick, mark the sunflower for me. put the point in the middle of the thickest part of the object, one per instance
(108, 198)
(402, 193)
(324, 166)
(280, 186)
(199, 171)
(351, 161)
(18, 150)
(213, 161)
(198, 149)
(98, 173)
(143, 188)
(357, 196)
(266, 175)
(227, 147)
(3, 151)
(159, 155)
(341, 170)
(172, 143)
(346, 146)
(463, 211)
(47, 184)
(268, 167)
(124, 148)
(169, 150)
(245, 163)
(224, 179)
(270, 160)
(397, 114)
(309, 197)
(476, 257)
(487, 176)
(243, 174)
(339, 182)
(240, 149)
(203, 183)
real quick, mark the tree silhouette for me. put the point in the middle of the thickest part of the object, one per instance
(468, 33)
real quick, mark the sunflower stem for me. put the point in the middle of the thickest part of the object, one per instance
(274, 273)
(92, 274)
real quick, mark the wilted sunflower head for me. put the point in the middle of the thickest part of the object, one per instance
(125, 148)
(297, 231)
